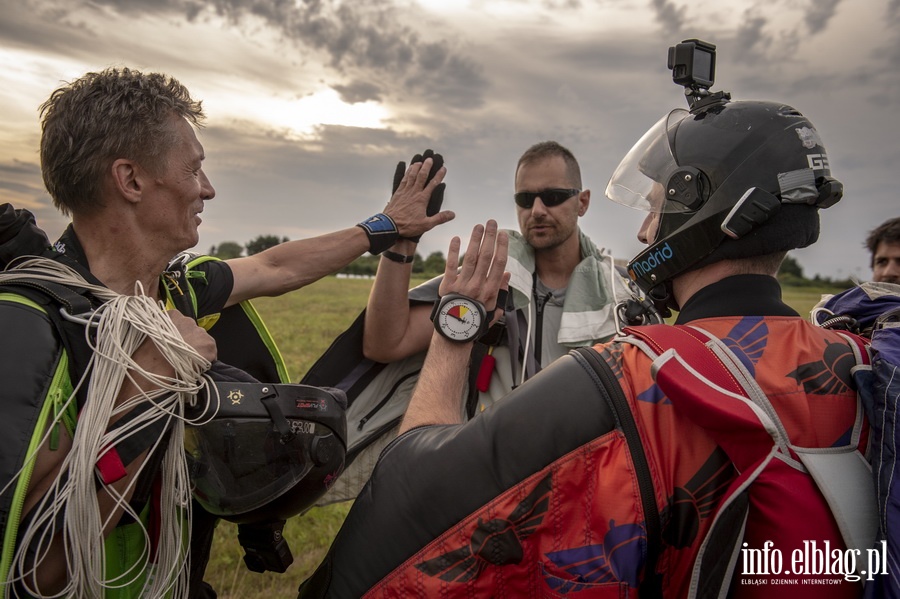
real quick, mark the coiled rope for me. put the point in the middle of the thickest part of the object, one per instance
(122, 324)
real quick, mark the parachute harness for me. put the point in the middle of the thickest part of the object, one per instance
(69, 512)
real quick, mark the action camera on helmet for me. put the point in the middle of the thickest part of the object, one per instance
(693, 65)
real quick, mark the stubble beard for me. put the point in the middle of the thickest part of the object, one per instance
(551, 239)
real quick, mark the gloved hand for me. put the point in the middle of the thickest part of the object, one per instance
(437, 196)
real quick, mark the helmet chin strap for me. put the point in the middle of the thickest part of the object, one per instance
(663, 299)
(654, 268)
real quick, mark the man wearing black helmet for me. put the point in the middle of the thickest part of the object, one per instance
(670, 461)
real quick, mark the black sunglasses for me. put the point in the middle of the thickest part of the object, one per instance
(550, 197)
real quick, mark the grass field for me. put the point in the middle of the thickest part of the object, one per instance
(304, 323)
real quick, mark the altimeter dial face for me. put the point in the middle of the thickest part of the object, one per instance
(459, 318)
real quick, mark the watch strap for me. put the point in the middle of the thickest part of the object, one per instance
(399, 258)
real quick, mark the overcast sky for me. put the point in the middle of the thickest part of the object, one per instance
(311, 103)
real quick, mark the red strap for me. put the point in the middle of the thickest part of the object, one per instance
(110, 467)
(692, 348)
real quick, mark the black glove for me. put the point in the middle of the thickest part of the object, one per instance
(437, 196)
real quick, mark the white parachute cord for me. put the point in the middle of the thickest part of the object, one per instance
(44, 269)
(123, 323)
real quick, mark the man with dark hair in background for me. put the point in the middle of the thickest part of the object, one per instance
(883, 244)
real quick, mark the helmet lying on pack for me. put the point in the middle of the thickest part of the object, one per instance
(265, 451)
(725, 180)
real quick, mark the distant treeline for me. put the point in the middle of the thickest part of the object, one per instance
(791, 274)
(367, 264)
(431, 266)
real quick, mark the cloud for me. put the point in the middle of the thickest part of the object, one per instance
(21, 185)
(891, 47)
(373, 46)
(819, 14)
(669, 15)
(561, 4)
(369, 42)
(358, 91)
(28, 25)
(751, 37)
(22, 180)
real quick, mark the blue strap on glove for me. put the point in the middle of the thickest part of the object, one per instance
(381, 231)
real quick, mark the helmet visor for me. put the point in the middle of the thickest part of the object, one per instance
(238, 465)
(640, 179)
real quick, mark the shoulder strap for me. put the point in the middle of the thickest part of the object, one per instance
(242, 337)
(75, 302)
(66, 307)
(860, 347)
(178, 289)
(683, 361)
(692, 348)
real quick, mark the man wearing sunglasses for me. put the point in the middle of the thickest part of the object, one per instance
(560, 294)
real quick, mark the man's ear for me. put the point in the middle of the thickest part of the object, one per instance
(128, 179)
(584, 202)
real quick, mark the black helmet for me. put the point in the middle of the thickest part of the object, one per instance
(727, 180)
(265, 452)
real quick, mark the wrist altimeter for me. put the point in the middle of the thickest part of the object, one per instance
(459, 318)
